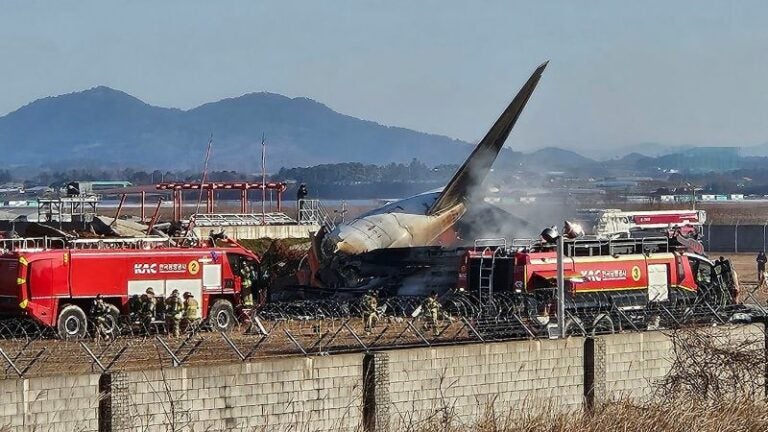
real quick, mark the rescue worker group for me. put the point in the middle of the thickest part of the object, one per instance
(178, 313)
(185, 314)
(371, 311)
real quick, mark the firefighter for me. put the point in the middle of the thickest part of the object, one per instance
(724, 279)
(134, 305)
(432, 308)
(147, 309)
(761, 260)
(191, 315)
(246, 284)
(370, 310)
(262, 284)
(173, 312)
(99, 312)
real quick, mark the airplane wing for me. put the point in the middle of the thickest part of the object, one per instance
(476, 167)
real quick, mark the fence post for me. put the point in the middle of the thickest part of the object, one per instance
(736, 237)
(376, 400)
(765, 365)
(589, 373)
(105, 403)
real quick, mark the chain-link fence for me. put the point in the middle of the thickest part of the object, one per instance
(736, 237)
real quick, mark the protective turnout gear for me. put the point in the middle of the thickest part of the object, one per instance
(99, 314)
(147, 309)
(370, 310)
(246, 285)
(191, 314)
(173, 313)
(432, 308)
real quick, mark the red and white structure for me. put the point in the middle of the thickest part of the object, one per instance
(210, 187)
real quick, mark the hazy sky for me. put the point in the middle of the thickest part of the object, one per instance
(621, 72)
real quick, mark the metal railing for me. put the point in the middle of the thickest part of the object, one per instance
(312, 212)
(490, 243)
(32, 243)
(236, 219)
(42, 243)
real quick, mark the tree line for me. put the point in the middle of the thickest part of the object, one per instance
(325, 174)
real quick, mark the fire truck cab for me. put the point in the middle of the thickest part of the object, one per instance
(56, 286)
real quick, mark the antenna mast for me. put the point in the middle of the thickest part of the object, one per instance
(263, 179)
(205, 173)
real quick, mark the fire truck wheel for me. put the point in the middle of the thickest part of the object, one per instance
(113, 321)
(222, 315)
(72, 323)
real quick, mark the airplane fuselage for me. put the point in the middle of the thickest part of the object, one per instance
(402, 223)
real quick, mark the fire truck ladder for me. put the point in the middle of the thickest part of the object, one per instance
(124, 243)
(487, 264)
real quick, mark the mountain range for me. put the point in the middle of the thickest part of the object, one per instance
(106, 127)
(103, 125)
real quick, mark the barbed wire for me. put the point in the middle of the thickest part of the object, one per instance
(321, 327)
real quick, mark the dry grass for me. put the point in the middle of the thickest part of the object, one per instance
(678, 415)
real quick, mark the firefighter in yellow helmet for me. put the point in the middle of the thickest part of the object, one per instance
(173, 312)
(191, 315)
(432, 308)
(370, 305)
(247, 276)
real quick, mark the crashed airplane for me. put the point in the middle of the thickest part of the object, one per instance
(392, 232)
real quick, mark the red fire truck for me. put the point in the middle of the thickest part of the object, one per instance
(601, 275)
(55, 282)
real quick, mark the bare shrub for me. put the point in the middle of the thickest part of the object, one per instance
(714, 365)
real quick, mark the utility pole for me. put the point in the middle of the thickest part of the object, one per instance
(693, 197)
(560, 287)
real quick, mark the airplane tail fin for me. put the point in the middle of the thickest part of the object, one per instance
(478, 164)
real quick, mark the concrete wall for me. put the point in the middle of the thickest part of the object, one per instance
(313, 394)
(384, 390)
(465, 380)
(63, 403)
(627, 365)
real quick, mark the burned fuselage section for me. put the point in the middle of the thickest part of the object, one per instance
(428, 219)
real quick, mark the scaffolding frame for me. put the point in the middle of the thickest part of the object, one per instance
(209, 187)
(67, 209)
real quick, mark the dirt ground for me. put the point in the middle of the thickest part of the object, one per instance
(318, 337)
